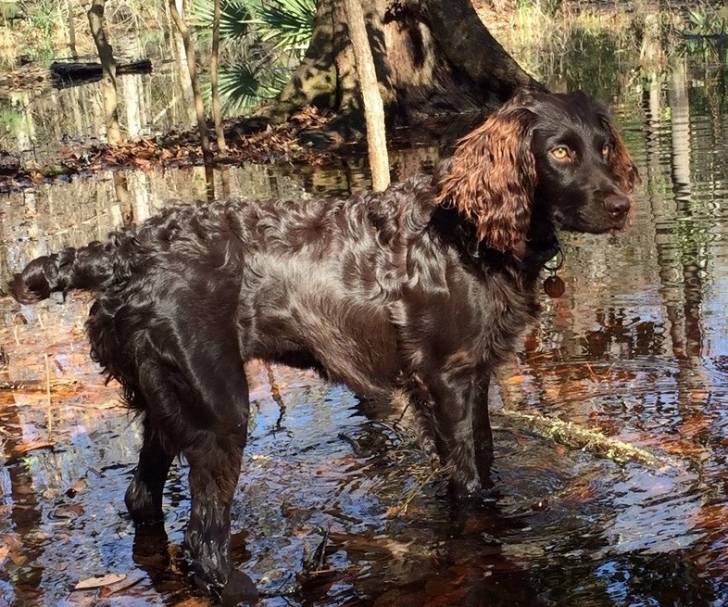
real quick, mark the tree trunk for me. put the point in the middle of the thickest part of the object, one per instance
(178, 50)
(71, 29)
(315, 81)
(214, 66)
(431, 57)
(373, 106)
(189, 44)
(108, 66)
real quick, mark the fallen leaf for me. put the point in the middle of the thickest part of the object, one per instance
(698, 396)
(193, 602)
(514, 380)
(18, 559)
(121, 586)
(99, 581)
(12, 547)
(23, 448)
(77, 487)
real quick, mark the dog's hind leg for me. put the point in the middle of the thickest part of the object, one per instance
(214, 469)
(215, 410)
(201, 406)
(144, 496)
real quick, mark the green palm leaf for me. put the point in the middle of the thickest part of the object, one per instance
(288, 24)
(235, 17)
(243, 87)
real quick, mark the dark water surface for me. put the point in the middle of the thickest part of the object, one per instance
(638, 348)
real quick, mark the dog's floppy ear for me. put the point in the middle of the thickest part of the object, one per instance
(492, 176)
(619, 161)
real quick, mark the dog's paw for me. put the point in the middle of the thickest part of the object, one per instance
(475, 495)
(143, 508)
(239, 589)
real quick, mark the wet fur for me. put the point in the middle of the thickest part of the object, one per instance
(423, 288)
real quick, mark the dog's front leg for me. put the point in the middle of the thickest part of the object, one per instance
(482, 433)
(461, 427)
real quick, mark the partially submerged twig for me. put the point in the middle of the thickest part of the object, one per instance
(48, 396)
(275, 392)
(401, 508)
(588, 439)
(37, 385)
(564, 433)
(574, 436)
(319, 555)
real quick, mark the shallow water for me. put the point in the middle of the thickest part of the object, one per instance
(41, 118)
(638, 347)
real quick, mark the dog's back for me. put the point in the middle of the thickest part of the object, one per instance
(302, 282)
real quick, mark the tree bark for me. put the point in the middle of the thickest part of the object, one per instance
(459, 32)
(373, 105)
(315, 80)
(183, 80)
(431, 57)
(189, 45)
(214, 67)
(108, 66)
(71, 29)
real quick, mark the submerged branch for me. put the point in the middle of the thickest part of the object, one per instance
(576, 437)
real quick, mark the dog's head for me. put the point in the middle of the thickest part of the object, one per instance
(560, 151)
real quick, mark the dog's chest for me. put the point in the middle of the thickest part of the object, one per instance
(470, 320)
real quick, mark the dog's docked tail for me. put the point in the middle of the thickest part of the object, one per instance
(90, 268)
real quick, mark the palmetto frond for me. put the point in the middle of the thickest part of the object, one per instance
(235, 17)
(243, 87)
(288, 24)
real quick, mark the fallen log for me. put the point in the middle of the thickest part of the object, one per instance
(9, 164)
(67, 74)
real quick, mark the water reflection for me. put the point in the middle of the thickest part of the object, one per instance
(39, 124)
(638, 347)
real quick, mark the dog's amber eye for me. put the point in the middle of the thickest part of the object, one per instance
(605, 152)
(561, 152)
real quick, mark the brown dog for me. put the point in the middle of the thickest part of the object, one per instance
(422, 288)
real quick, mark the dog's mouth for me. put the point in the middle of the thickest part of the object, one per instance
(615, 227)
(605, 224)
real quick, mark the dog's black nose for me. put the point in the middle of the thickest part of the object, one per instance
(617, 205)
